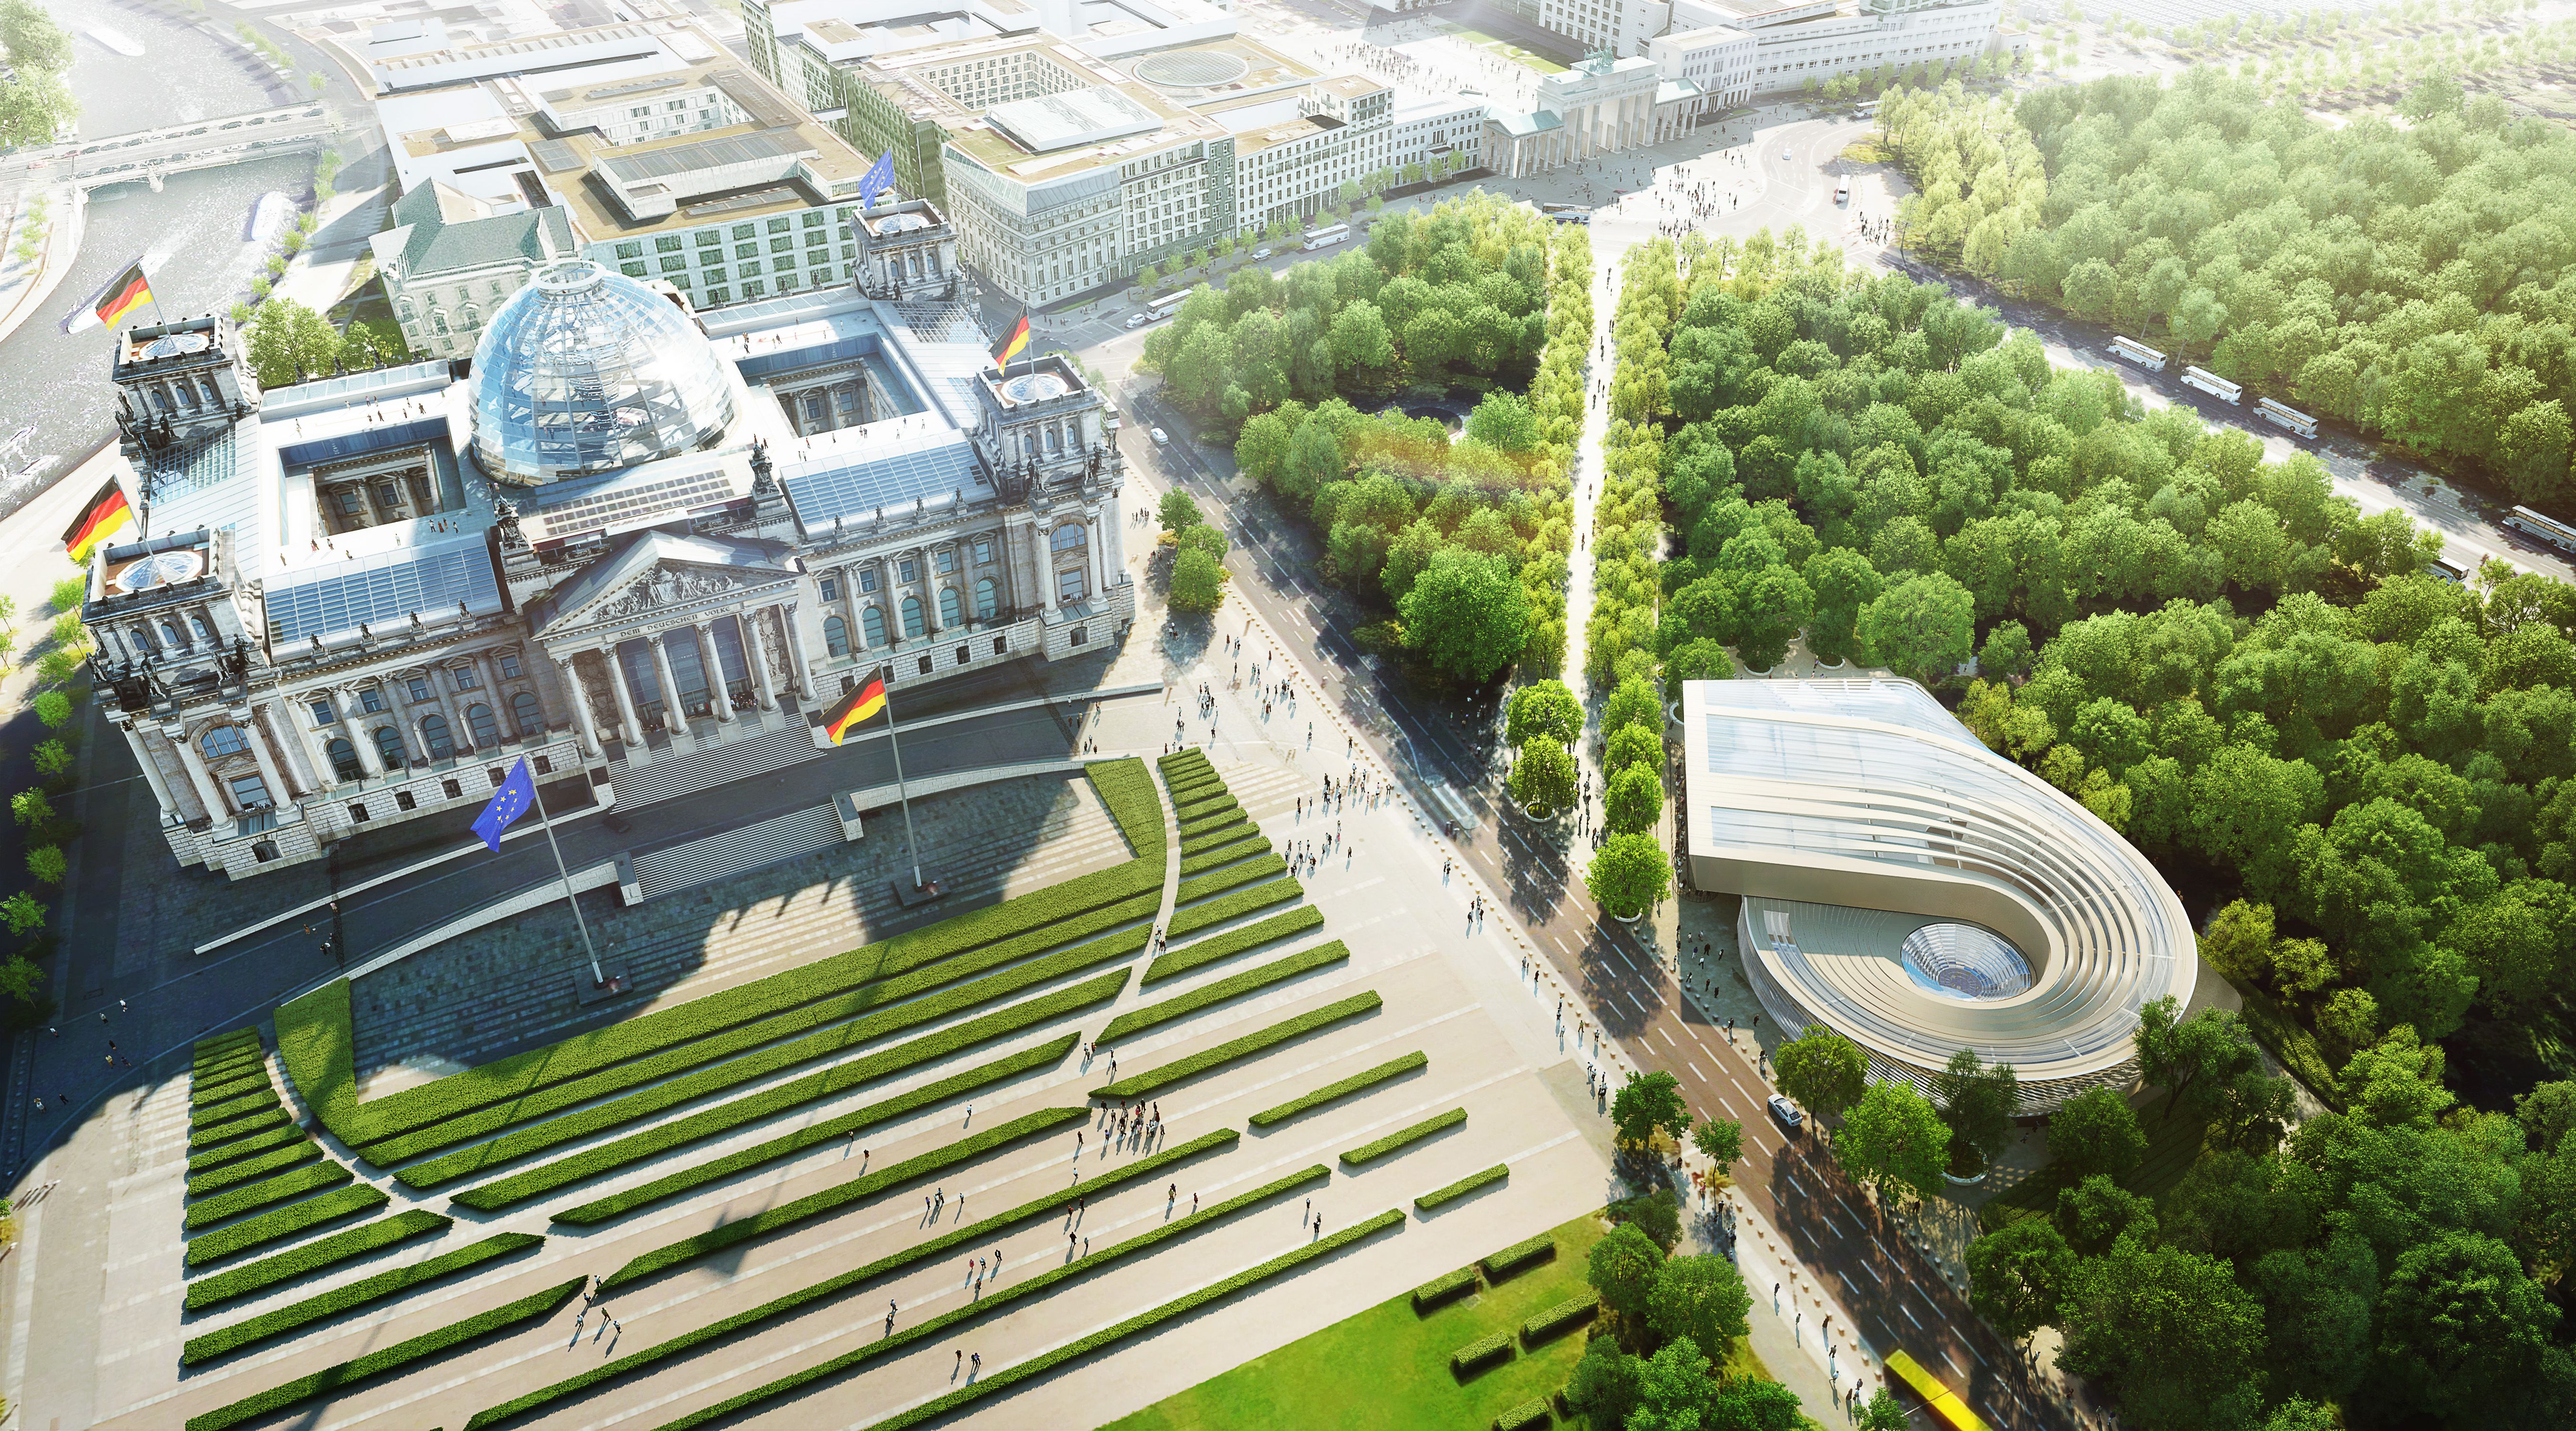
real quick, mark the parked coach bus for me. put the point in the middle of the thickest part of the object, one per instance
(2138, 353)
(2212, 384)
(2549, 529)
(2281, 415)
(1165, 305)
(1327, 236)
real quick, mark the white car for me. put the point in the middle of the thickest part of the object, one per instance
(1160, 439)
(1261, 253)
(1784, 155)
(1136, 320)
(1786, 1112)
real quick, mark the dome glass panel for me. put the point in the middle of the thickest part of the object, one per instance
(585, 370)
(1962, 961)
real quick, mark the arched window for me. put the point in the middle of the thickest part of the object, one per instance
(438, 321)
(169, 633)
(911, 617)
(344, 760)
(1067, 538)
(952, 612)
(435, 739)
(473, 316)
(223, 740)
(872, 625)
(836, 636)
(986, 599)
(408, 315)
(197, 627)
(487, 731)
(213, 398)
(389, 747)
(528, 716)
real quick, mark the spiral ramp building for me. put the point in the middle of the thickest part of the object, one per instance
(1919, 894)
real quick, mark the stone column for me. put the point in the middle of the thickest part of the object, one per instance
(152, 773)
(449, 706)
(930, 625)
(492, 690)
(580, 708)
(278, 793)
(1092, 553)
(1115, 529)
(316, 741)
(630, 724)
(292, 756)
(796, 651)
(199, 776)
(718, 699)
(675, 718)
(850, 606)
(362, 739)
(1042, 543)
(755, 649)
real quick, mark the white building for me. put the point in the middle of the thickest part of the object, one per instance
(1436, 126)
(1818, 40)
(1720, 59)
(634, 536)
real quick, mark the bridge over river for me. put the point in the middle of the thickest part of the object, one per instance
(155, 154)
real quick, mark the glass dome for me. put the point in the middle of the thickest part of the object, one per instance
(1963, 961)
(585, 370)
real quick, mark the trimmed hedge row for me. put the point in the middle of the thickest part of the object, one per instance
(393, 1358)
(1528, 1416)
(246, 1169)
(788, 1214)
(1369, 1078)
(1041, 1364)
(287, 1221)
(1218, 835)
(314, 1036)
(1370, 1152)
(1462, 1187)
(973, 1234)
(1128, 792)
(225, 1206)
(313, 1257)
(1199, 791)
(1255, 1042)
(209, 1114)
(1173, 962)
(993, 1301)
(233, 1086)
(671, 1093)
(1481, 1353)
(709, 1077)
(1444, 1289)
(1564, 1317)
(239, 1148)
(212, 1082)
(1499, 1265)
(357, 1294)
(1226, 879)
(1256, 844)
(1242, 901)
(654, 1142)
(1217, 821)
(274, 1116)
(1200, 810)
(1232, 986)
(216, 1043)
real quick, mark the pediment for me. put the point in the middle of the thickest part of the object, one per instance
(671, 586)
(668, 574)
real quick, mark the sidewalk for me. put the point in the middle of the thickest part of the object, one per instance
(24, 287)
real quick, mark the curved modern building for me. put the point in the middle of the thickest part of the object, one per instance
(1919, 894)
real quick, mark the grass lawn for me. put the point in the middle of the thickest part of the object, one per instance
(1386, 1369)
(1505, 49)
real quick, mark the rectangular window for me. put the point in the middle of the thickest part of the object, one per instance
(509, 663)
(831, 589)
(419, 689)
(719, 295)
(817, 237)
(746, 250)
(943, 562)
(778, 225)
(452, 790)
(667, 243)
(631, 250)
(711, 275)
(250, 792)
(983, 551)
(632, 270)
(323, 714)
(466, 679)
(905, 572)
(754, 289)
(675, 263)
(782, 244)
(710, 256)
(357, 814)
(868, 579)
(545, 765)
(709, 238)
(371, 699)
(403, 800)
(744, 231)
(814, 220)
(747, 268)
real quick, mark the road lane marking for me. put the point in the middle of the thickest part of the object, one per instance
(1702, 1077)
(1909, 1315)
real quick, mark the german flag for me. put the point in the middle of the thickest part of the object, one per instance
(104, 517)
(1012, 342)
(124, 293)
(855, 707)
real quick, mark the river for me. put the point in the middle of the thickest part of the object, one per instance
(191, 232)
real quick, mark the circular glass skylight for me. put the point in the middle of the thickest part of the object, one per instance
(1962, 961)
(161, 569)
(1034, 387)
(1191, 69)
(901, 223)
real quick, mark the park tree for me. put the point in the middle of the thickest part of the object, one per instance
(1198, 581)
(2096, 1212)
(2096, 1131)
(33, 110)
(32, 40)
(1825, 1072)
(1632, 801)
(2169, 1332)
(1977, 1102)
(1605, 1382)
(1543, 776)
(32, 809)
(1632, 746)
(1622, 1268)
(2017, 1274)
(290, 343)
(2238, 941)
(1721, 1141)
(23, 913)
(1702, 1298)
(1628, 875)
(1466, 615)
(1178, 511)
(1647, 1104)
(1895, 1138)
(48, 864)
(1922, 626)
(1503, 421)
(1632, 703)
(1543, 708)
(2193, 1057)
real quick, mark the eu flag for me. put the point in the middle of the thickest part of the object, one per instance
(508, 803)
(878, 179)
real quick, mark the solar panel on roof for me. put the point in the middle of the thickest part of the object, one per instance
(382, 591)
(704, 154)
(555, 155)
(888, 481)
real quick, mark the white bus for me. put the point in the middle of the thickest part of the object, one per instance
(2212, 384)
(2549, 529)
(2283, 415)
(1160, 308)
(2442, 568)
(1327, 236)
(2138, 353)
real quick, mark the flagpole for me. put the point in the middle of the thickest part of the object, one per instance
(910, 847)
(597, 979)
